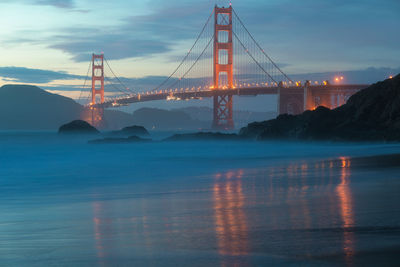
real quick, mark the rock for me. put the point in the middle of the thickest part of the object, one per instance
(131, 131)
(77, 127)
(111, 140)
(372, 114)
(202, 136)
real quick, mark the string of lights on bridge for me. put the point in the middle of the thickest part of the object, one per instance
(240, 86)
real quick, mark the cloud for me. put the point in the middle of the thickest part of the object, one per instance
(63, 4)
(282, 27)
(158, 32)
(69, 4)
(27, 75)
(309, 35)
(114, 45)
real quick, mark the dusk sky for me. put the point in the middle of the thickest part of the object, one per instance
(49, 42)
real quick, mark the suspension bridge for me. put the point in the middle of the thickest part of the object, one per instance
(224, 61)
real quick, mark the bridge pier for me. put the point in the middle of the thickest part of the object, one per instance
(223, 112)
(290, 101)
(330, 97)
(295, 101)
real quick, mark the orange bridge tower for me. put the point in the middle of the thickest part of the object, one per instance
(97, 89)
(223, 63)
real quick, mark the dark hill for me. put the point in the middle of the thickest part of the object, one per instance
(25, 107)
(371, 114)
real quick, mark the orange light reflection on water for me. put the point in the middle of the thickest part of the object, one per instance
(230, 220)
(346, 209)
(97, 209)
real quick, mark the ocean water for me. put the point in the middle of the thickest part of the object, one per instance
(64, 202)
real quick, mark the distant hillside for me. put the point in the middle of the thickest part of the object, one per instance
(240, 117)
(161, 119)
(116, 120)
(24, 107)
(190, 118)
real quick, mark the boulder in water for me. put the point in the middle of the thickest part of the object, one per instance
(113, 140)
(134, 130)
(203, 136)
(77, 127)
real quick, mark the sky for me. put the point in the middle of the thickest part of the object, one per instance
(49, 42)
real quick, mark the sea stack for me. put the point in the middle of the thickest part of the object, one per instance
(77, 127)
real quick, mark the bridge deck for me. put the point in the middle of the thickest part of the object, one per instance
(250, 91)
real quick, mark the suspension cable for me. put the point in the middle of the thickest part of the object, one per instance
(125, 87)
(248, 52)
(262, 50)
(115, 87)
(84, 84)
(195, 62)
(187, 55)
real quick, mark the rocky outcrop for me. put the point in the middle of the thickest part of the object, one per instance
(373, 114)
(77, 127)
(203, 136)
(111, 140)
(131, 131)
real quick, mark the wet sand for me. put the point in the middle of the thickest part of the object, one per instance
(198, 204)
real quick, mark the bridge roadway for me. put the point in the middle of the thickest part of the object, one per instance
(298, 92)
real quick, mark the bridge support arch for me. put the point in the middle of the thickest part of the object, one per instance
(223, 102)
(290, 101)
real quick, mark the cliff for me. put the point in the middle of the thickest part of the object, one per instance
(373, 114)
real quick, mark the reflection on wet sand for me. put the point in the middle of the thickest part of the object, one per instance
(346, 209)
(284, 204)
(108, 238)
(99, 246)
(298, 182)
(231, 225)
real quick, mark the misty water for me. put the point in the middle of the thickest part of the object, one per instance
(68, 203)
